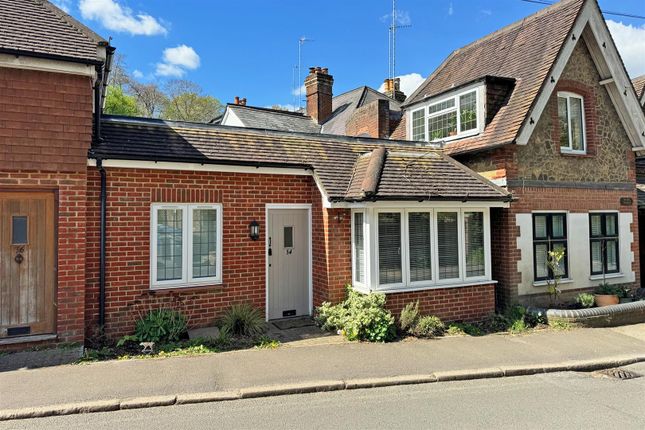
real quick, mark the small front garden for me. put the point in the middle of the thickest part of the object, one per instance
(364, 317)
(164, 333)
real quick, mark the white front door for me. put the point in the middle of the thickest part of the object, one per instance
(288, 264)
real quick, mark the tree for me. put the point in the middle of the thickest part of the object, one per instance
(150, 98)
(187, 102)
(119, 103)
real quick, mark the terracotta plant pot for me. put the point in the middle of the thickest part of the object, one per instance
(606, 299)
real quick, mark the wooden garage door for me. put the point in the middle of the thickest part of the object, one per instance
(27, 264)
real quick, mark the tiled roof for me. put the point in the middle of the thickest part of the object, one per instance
(524, 51)
(40, 28)
(639, 86)
(273, 119)
(409, 173)
(345, 104)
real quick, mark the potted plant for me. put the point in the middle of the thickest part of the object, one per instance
(625, 295)
(606, 295)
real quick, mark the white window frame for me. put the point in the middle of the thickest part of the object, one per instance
(568, 149)
(187, 279)
(370, 226)
(355, 282)
(479, 90)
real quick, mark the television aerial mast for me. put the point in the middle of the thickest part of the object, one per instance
(301, 42)
(394, 26)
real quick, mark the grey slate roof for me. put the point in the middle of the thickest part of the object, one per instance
(39, 28)
(409, 172)
(273, 119)
(345, 104)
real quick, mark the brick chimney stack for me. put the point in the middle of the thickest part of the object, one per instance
(319, 85)
(393, 89)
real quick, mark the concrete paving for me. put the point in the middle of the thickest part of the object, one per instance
(243, 370)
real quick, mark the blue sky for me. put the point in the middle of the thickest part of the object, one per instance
(249, 47)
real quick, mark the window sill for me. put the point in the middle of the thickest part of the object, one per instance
(574, 153)
(407, 289)
(544, 283)
(187, 287)
(607, 276)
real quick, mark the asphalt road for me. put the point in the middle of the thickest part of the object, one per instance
(560, 400)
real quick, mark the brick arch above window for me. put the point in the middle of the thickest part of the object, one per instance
(588, 93)
(185, 195)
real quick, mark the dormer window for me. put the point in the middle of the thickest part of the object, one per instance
(572, 123)
(456, 115)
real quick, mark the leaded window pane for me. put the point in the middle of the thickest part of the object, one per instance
(169, 244)
(468, 111)
(438, 107)
(204, 243)
(442, 126)
(420, 249)
(418, 125)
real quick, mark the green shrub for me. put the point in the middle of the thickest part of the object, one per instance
(606, 289)
(518, 326)
(585, 300)
(161, 325)
(429, 326)
(243, 320)
(465, 328)
(359, 317)
(409, 317)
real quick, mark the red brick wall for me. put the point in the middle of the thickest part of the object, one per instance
(45, 133)
(243, 196)
(399, 129)
(450, 304)
(371, 120)
(70, 189)
(45, 120)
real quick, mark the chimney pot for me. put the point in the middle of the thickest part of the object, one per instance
(243, 101)
(236, 100)
(325, 70)
(312, 70)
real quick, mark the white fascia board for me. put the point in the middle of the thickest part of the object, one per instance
(231, 119)
(46, 65)
(166, 165)
(398, 204)
(609, 65)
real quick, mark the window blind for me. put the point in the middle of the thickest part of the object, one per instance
(448, 244)
(474, 238)
(419, 245)
(389, 246)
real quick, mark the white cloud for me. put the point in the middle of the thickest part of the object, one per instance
(169, 70)
(176, 61)
(409, 83)
(64, 5)
(298, 91)
(119, 18)
(402, 17)
(451, 9)
(630, 41)
(137, 73)
(183, 56)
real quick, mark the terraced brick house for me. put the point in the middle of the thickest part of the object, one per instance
(545, 109)
(102, 218)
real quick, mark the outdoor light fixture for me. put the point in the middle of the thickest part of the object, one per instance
(254, 230)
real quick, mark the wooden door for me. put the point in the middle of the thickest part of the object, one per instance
(27, 263)
(288, 231)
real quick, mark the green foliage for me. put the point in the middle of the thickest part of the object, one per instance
(464, 328)
(129, 338)
(359, 317)
(119, 103)
(267, 343)
(187, 102)
(161, 325)
(554, 261)
(429, 326)
(607, 289)
(243, 320)
(409, 317)
(585, 300)
(518, 326)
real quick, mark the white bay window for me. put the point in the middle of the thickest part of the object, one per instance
(186, 245)
(418, 248)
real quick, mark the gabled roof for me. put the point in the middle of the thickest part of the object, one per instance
(524, 50)
(273, 119)
(639, 86)
(409, 172)
(345, 104)
(38, 28)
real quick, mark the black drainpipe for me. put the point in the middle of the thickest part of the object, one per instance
(103, 199)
